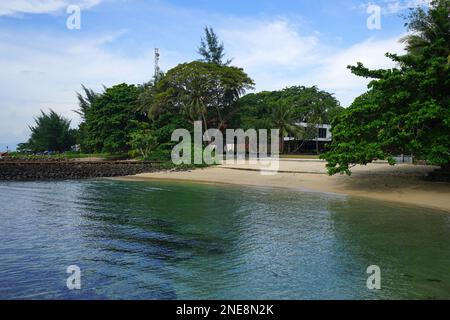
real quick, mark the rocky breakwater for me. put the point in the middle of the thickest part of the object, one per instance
(61, 170)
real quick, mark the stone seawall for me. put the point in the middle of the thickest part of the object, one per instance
(62, 170)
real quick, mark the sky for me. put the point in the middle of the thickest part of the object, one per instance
(279, 43)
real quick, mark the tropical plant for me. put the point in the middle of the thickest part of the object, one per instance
(298, 104)
(143, 142)
(406, 110)
(284, 118)
(51, 132)
(111, 118)
(428, 27)
(201, 91)
(85, 100)
(211, 49)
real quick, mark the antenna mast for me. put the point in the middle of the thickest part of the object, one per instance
(156, 63)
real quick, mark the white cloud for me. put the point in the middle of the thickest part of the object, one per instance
(272, 42)
(17, 7)
(47, 73)
(276, 55)
(334, 76)
(389, 7)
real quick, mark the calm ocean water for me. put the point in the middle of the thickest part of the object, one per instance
(151, 240)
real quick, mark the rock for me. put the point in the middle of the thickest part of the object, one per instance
(61, 170)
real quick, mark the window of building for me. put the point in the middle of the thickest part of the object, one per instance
(322, 133)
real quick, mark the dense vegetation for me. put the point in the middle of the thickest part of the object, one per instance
(50, 132)
(110, 119)
(407, 109)
(284, 109)
(139, 120)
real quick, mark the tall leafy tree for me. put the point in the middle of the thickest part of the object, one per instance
(85, 100)
(427, 28)
(284, 118)
(51, 132)
(294, 104)
(309, 103)
(315, 107)
(201, 91)
(111, 118)
(211, 49)
(407, 109)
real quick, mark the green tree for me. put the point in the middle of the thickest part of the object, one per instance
(315, 107)
(143, 142)
(309, 104)
(51, 132)
(110, 119)
(296, 104)
(406, 110)
(85, 100)
(284, 118)
(211, 49)
(428, 28)
(200, 91)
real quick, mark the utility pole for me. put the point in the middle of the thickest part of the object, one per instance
(156, 63)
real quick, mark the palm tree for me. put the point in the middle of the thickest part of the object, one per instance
(428, 28)
(194, 107)
(284, 119)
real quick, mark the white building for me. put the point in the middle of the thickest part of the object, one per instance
(324, 133)
(322, 137)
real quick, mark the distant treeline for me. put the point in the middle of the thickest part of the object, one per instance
(140, 119)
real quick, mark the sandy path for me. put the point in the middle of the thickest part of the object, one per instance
(401, 183)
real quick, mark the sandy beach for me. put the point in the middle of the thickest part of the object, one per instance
(401, 183)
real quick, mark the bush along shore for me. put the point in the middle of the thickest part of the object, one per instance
(20, 170)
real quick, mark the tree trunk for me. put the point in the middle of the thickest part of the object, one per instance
(281, 144)
(317, 140)
(289, 144)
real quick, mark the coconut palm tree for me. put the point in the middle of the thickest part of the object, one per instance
(284, 119)
(427, 29)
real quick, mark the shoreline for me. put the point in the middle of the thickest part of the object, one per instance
(402, 184)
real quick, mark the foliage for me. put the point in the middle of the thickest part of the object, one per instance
(51, 133)
(284, 118)
(286, 108)
(407, 109)
(211, 49)
(309, 105)
(200, 92)
(85, 100)
(143, 142)
(111, 117)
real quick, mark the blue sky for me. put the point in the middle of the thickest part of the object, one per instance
(278, 43)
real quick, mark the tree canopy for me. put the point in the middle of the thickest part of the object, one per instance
(201, 91)
(51, 132)
(407, 108)
(140, 119)
(110, 119)
(308, 104)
